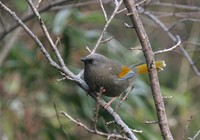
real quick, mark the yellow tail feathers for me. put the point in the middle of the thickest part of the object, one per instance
(143, 67)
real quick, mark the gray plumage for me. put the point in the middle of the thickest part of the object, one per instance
(101, 72)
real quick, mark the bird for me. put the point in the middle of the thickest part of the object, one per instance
(113, 77)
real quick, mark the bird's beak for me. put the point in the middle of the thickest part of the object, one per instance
(83, 59)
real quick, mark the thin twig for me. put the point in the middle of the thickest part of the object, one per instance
(194, 16)
(193, 43)
(109, 136)
(169, 49)
(104, 12)
(185, 53)
(31, 34)
(96, 110)
(120, 11)
(30, 16)
(57, 41)
(52, 45)
(195, 136)
(65, 77)
(38, 3)
(137, 4)
(182, 20)
(106, 26)
(79, 4)
(88, 49)
(106, 40)
(172, 37)
(179, 6)
(46, 33)
(128, 26)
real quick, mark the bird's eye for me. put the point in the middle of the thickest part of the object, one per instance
(91, 61)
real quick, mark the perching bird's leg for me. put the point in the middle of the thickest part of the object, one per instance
(124, 98)
(108, 103)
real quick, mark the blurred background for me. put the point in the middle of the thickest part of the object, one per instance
(29, 86)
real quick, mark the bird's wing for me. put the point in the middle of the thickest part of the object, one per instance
(125, 73)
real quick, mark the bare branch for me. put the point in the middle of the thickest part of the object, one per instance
(106, 40)
(155, 87)
(169, 49)
(80, 4)
(30, 16)
(106, 26)
(96, 109)
(195, 136)
(190, 61)
(104, 12)
(109, 136)
(182, 20)
(38, 3)
(128, 26)
(87, 48)
(64, 69)
(65, 77)
(31, 34)
(172, 37)
(116, 117)
(46, 33)
(179, 6)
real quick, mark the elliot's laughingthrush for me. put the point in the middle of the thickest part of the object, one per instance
(115, 78)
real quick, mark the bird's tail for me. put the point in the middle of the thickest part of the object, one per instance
(143, 67)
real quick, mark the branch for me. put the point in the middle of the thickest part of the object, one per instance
(31, 34)
(169, 49)
(46, 33)
(172, 37)
(179, 6)
(109, 136)
(103, 9)
(63, 68)
(115, 116)
(30, 16)
(106, 26)
(182, 20)
(195, 136)
(148, 53)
